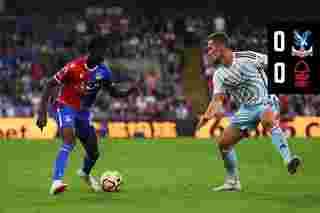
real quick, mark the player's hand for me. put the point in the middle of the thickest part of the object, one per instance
(202, 121)
(209, 116)
(41, 120)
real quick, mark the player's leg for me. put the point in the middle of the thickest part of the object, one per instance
(231, 136)
(90, 144)
(240, 123)
(270, 119)
(243, 121)
(88, 138)
(65, 121)
(226, 143)
(270, 122)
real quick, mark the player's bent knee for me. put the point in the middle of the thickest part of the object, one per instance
(230, 137)
(267, 124)
(94, 155)
(225, 143)
(267, 119)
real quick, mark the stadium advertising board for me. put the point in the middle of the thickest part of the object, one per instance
(25, 128)
(298, 127)
(142, 129)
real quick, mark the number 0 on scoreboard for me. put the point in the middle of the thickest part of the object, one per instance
(293, 64)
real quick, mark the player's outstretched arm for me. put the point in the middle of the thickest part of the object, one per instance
(48, 92)
(214, 110)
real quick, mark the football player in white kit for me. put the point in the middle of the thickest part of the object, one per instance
(242, 75)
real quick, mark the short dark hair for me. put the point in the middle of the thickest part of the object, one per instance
(219, 36)
(97, 42)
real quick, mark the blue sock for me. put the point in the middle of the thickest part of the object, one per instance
(62, 160)
(230, 162)
(88, 165)
(280, 141)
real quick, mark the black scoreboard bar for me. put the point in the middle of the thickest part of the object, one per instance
(294, 58)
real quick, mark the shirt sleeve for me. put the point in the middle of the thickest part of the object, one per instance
(106, 73)
(218, 81)
(63, 75)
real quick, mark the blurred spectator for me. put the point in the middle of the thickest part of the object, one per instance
(151, 82)
(24, 25)
(81, 27)
(219, 24)
(182, 110)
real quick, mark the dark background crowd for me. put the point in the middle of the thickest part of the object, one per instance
(147, 47)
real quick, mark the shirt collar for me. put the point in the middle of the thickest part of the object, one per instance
(92, 69)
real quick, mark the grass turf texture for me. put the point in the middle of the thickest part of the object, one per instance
(161, 176)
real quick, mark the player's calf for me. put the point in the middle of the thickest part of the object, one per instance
(230, 160)
(89, 161)
(62, 160)
(270, 121)
(89, 142)
(230, 137)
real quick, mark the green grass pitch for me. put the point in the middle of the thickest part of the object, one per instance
(161, 176)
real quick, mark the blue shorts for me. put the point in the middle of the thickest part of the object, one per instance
(248, 117)
(80, 121)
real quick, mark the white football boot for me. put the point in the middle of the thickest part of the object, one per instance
(91, 181)
(57, 187)
(230, 184)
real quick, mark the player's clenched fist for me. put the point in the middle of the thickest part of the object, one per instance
(202, 120)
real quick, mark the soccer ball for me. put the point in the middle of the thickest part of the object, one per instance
(110, 181)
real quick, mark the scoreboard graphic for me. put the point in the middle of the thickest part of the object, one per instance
(294, 58)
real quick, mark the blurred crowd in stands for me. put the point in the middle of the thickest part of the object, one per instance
(150, 48)
(33, 48)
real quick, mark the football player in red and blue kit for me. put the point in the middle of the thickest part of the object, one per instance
(79, 82)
